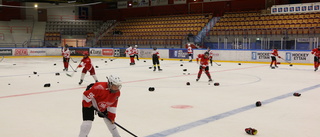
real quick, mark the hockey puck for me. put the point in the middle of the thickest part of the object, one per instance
(150, 67)
(47, 85)
(239, 63)
(258, 103)
(161, 59)
(105, 61)
(297, 94)
(188, 83)
(34, 72)
(180, 59)
(290, 65)
(144, 61)
(54, 64)
(9, 84)
(216, 84)
(181, 64)
(57, 74)
(151, 89)
(272, 67)
(184, 69)
(97, 66)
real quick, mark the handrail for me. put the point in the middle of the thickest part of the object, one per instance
(12, 28)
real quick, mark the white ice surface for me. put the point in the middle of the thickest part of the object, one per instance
(30, 110)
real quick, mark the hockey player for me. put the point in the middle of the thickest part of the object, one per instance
(155, 59)
(274, 54)
(66, 57)
(210, 55)
(129, 51)
(316, 53)
(87, 66)
(190, 53)
(136, 51)
(101, 96)
(203, 65)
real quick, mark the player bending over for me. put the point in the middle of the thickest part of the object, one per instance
(274, 54)
(204, 58)
(86, 62)
(102, 96)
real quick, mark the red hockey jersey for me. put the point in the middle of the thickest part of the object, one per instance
(203, 60)
(316, 52)
(104, 98)
(274, 52)
(86, 62)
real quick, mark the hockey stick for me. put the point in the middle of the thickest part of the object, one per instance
(216, 63)
(95, 107)
(112, 59)
(286, 61)
(2, 58)
(72, 67)
(70, 75)
(73, 60)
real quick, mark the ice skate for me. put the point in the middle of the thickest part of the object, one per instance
(80, 82)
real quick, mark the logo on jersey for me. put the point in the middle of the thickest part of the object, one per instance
(104, 105)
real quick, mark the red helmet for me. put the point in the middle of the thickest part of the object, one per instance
(86, 53)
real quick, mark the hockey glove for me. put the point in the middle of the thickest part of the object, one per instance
(251, 131)
(102, 114)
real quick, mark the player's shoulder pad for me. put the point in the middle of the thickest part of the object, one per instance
(89, 86)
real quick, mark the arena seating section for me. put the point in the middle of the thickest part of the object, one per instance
(160, 30)
(255, 23)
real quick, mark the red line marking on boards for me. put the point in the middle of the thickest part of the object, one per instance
(51, 91)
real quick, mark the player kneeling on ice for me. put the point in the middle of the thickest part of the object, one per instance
(204, 58)
(102, 97)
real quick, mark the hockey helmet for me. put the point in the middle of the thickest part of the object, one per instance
(86, 53)
(115, 80)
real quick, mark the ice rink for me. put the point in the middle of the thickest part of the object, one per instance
(174, 109)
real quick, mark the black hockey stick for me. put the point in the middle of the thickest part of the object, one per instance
(102, 114)
(286, 61)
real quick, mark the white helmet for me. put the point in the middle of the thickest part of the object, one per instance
(115, 80)
(135, 45)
